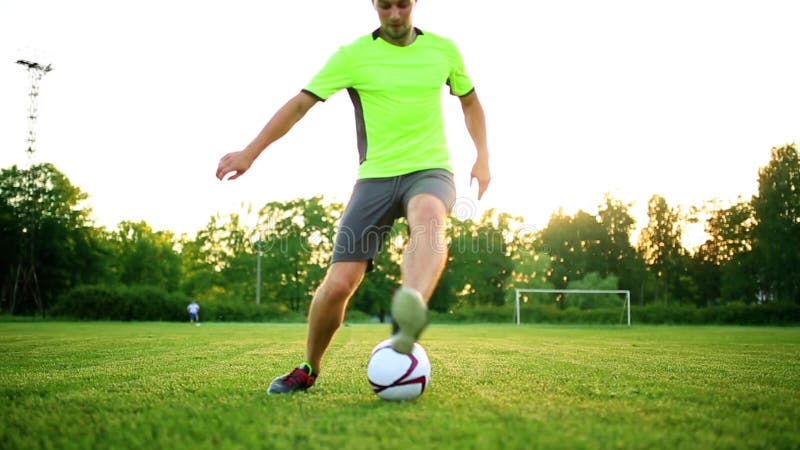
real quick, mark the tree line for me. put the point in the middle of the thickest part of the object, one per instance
(49, 248)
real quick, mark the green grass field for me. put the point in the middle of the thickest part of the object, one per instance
(168, 385)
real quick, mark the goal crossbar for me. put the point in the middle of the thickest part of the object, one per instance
(576, 291)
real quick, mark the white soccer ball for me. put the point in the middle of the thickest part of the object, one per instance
(397, 376)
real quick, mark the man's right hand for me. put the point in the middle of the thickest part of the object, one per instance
(236, 162)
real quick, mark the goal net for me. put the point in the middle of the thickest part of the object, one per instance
(624, 299)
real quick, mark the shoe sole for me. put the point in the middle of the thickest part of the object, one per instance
(288, 391)
(411, 315)
(279, 390)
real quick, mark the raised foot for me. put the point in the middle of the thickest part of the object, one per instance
(410, 314)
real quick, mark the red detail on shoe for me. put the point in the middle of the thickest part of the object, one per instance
(299, 378)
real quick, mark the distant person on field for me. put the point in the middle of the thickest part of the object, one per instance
(394, 76)
(194, 312)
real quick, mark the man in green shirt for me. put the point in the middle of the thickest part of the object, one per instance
(394, 77)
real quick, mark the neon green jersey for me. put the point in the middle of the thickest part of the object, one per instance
(396, 92)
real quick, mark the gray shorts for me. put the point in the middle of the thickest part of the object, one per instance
(375, 204)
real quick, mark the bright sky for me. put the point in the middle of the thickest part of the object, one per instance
(683, 98)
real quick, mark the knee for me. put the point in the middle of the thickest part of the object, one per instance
(337, 288)
(426, 211)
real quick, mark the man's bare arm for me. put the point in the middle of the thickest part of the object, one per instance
(476, 125)
(280, 124)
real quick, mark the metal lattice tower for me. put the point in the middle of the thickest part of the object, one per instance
(35, 72)
(26, 282)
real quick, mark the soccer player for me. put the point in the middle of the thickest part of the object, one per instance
(394, 76)
(194, 312)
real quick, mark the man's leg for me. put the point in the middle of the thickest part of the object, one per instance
(426, 253)
(423, 261)
(324, 317)
(367, 220)
(328, 307)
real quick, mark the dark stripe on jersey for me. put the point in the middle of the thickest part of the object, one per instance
(313, 95)
(468, 92)
(453, 93)
(361, 128)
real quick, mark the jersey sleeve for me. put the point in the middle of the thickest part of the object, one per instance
(334, 76)
(458, 80)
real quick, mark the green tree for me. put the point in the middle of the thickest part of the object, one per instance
(723, 266)
(239, 246)
(295, 239)
(531, 264)
(10, 231)
(298, 237)
(577, 245)
(479, 263)
(146, 257)
(200, 277)
(45, 226)
(206, 256)
(661, 249)
(593, 281)
(620, 256)
(730, 232)
(777, 230)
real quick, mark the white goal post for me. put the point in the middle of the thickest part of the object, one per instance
(576, 291)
